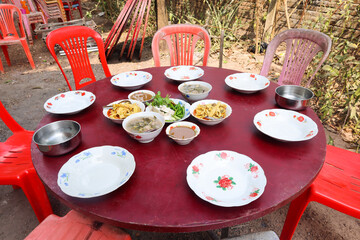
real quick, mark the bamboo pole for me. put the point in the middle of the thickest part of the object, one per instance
(287, 14)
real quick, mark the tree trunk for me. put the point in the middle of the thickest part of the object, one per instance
(162, 19)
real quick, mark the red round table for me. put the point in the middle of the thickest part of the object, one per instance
(157, 197)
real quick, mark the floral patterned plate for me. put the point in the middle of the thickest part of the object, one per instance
(131, 80)
(184, 73)
(96, 171)
(226, 178)
(247, 82)
(69, 102)
(285, 125)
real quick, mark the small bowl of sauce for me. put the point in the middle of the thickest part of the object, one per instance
(142, 95)
(183, 132)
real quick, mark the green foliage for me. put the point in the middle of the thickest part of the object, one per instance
(337, 87)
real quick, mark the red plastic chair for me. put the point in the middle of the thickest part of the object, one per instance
(337, 186)
(71, 5)
(16, 167)
(301, 47)
(9, 35)
(73, 40)
(75, 226)
(181, 40)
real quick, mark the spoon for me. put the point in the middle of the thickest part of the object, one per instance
(123, 101)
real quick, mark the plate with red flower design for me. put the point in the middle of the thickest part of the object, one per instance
(70, 102)
(226, 178)
(285, 125)
(184, 73)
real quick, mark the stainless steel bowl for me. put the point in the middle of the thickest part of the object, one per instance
(293, 97)
(58, 138)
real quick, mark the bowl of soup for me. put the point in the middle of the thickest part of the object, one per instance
(144, 126)
(142, 95)
(195, 90)
(183, 132)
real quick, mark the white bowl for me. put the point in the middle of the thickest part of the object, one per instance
(130, 96)
(195, 96)
(247, 82)
(145, 137)
(212, 121)
(131, 80)
(119, 121)
(185, 124)
(184, 73)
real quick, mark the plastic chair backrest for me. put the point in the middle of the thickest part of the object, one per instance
(181, 40)
(73, 40)
(7, 24)
(301, 47)
(9, 120)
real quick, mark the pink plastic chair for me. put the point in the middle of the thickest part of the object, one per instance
(75, 226)
(73, 40)
(337, 186)
(16, 166)
(181, 40)
(9, 34)
(30, 18)
(301, 47)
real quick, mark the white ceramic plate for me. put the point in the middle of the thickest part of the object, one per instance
(285, 125)
(131, 80)
(96, 171)
(213, 121)
(184, 73)
(226, 178)
(176, 101)
(69, 102)
(119, 121)
(247, 82)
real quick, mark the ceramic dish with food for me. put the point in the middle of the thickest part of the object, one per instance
(119, 110)
(210, 112)
(183, 132)
(195, 90)
(69, 102)
(142, 95)
(184, 73)
(171, 109)
(131, 80)
(247, 82)
(144, 126)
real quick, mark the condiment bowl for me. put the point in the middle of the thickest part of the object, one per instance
(179, 139)
(293, 97)
(58, 138)
(210, 120)
(144, 137)
(108, 107)
(195, 96)
(139, 94)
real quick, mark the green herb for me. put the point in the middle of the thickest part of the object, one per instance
(160, 101)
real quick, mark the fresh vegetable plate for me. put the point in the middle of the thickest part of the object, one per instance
(96, 171)
(285, 125)
(131, 80)
(184, 73)
(226, 178)
(69, 102)
(247, 82)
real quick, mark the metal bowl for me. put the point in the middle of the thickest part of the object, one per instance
(293, 97)
(58, 138)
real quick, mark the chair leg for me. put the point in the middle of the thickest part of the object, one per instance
(36, 194)
(296, 210)
(1, 67)
(27, 52)
(6, 54)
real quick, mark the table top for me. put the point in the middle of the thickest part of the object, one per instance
(157, 196)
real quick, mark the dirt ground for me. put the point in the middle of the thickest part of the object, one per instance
(23, 91)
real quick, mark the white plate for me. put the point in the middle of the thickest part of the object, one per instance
(247, 82)
(184, 73)
(226, 178)
(208, 121)
(69, 102)
(119, 121)
(96, 171)
(285, 125)
(131, 80)
(176, 101)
